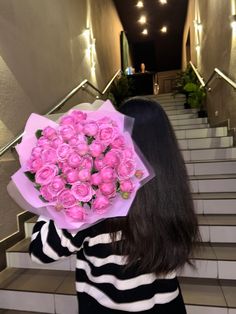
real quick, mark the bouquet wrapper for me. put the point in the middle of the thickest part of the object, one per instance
(22, 190)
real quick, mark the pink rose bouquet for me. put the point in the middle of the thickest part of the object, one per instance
(81, 170)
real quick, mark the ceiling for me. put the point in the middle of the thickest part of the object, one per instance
(159, 51)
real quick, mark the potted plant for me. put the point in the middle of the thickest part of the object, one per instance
(196, 97)
(120, 89)
(183, 78)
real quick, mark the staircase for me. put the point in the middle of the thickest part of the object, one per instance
(210, 288)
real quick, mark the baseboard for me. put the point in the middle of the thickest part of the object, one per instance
(13, 238)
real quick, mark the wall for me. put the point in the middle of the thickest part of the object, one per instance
(42, 57)
(42, 53)
(217, 48)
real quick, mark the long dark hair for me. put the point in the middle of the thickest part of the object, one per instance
(161, 227)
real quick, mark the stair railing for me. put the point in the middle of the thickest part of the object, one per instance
(82, 85)
(216, 71)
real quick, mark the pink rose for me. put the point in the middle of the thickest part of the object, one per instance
(67, 120)
(79, 127)
(35, 164)
(67, 132)
(101, 204)
(112, 159)
(126, 186)
(108, 174)
(126, 169)
(46, 193)
(36, 152)
(118, 142)
(82, 149)
(46, 174)
(43, 142)
(56, 142)
(84, 175)
(64, 167)
(96, 148)
(87, 162)
(57, 185)
(49, 155)
(91, 128)
(108, 189)
(128, 153)
(78, 115)
(76, 212)
(49, 132)
(63, 151)
(66, 198)
(82, 191)
(72, 175)
(99, 162)
(74, 160)
(107, 134)
(96, 179)
(76, 140)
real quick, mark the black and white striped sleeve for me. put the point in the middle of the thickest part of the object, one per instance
(49, 243)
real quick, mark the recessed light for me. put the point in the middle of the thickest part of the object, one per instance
(142, 19)
(164, 29)
(145, 31)
(139, 4)
(163, 1)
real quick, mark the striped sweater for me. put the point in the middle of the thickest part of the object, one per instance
(103, 285)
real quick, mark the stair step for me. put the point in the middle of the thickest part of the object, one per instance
(209, 142)
(201, 133)
(44, 291)
(218, 228)
(180, 111)
(51, 291)
(183, 122)
(192, 126)
(183, 116)
(212, 260)
(223, 167)
(17, 312)
(209, 154)
(208, 296)
(213, 184)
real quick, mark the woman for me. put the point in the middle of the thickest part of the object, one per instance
(129, 264)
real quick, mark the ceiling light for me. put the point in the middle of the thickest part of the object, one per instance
(163, 1)
(139, 4)
(145, 31)
(164, 29)
(142, 19)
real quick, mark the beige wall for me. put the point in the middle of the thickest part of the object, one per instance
(42, 53)
(43, 57)
(217, 43)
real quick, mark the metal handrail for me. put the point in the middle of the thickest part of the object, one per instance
(197, 74)
(60, 104)
(221, 75)
(216, 71)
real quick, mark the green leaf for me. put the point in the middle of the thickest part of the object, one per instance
(39, 133)
(43, 199)
(37, 186)
(68, 186)
(90, 139)
(107, 150)
(30, 176)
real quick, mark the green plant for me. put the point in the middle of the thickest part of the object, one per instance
(183, 78)
(120, 89)
(196, 95)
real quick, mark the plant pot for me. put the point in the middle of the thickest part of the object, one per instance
(202, 114)
(187, 106)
